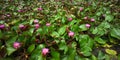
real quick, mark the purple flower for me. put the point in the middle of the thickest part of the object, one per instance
(39, 9)
(35, 21)
(45, 51)
(2, 26)
(71, 34)
(92, 19)
(70, 19)
(87, 25)
(48, 24)
(16, 45)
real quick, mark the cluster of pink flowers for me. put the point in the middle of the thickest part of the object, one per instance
(89, 19)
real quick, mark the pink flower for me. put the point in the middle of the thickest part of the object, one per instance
(86, 18)
(81, 8)
(21, 26)
(70, 19)
(45, 51)
(37, 26)
(92, 19)
(71, 34)
(16, 45)
(2, 26)
(8, 15)
(48, 24)
(20, 10)
(87, 25)
(39, 9)
(35, 21)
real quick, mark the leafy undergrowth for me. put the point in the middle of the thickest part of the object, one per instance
(59, 30)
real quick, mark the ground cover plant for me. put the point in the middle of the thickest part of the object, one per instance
(59, 30)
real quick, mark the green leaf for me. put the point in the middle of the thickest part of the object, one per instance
(9, 45)
(86, 53)
(1, 34)
(36, 53)
(115, 33)
(100, 40)
(40, 58)
(31, 31)
(62, 30)
(31, 48)
(10, 50)
(83, 27)
(118, 56)
(63, 20)
(86, 48)
(55, 34)
(98, 13)
(55, 55)
(72, 54)
(107, 57)
(95, 31)
(63, 46)
(11, 41)
(93, 57)
(101, 56)
(109, 18)
(110, 51)
(73, 22)
(77, 57)
(40, 31)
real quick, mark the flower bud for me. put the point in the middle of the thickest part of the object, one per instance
(87, 25)
(39, 9)
(21, 26)
(86, 18)
(70, 19)
(35, 21)
(92, 19)
(37, 26)
(16, 45)
(20, 10)
(45, 51)
(81, 8)
(2, 26)
(71, 34)
(8, 15)
(48, 24)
